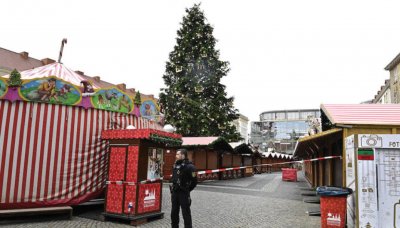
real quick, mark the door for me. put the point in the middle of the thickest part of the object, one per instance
(169, 160)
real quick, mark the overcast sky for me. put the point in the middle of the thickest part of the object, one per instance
(282, 54)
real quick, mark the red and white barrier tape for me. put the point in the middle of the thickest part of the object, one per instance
(302, 161)
(133, 183)
(323, 158)
(219, 170)
(227, 169)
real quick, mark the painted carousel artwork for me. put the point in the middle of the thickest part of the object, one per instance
(50, 90)
(149, 109)
(3, 87)
(112, 100)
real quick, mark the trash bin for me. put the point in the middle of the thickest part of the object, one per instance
(333, 205)
(289, 174)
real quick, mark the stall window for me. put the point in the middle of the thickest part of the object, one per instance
(155, 160)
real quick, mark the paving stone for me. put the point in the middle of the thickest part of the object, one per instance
(261, 201)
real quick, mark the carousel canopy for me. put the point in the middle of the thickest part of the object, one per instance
(54, 69)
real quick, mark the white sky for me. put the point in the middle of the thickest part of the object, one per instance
(283, 54)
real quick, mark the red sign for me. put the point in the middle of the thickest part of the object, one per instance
(149, 198)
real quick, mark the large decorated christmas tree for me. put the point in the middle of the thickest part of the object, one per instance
(194, 100)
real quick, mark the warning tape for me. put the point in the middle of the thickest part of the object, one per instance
(133, 183)
(220, 170)
(302, 161)
(226, 169)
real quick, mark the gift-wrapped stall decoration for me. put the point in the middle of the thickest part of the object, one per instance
(134, 186)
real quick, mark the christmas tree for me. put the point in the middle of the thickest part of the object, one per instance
(15, 79)
(194, 100)
(138, 99)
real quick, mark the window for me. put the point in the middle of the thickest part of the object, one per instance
(280, 116)
(293, 115)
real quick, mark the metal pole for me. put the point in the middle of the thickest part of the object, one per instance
(64, 41)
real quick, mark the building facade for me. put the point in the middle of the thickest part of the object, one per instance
(394, 82)
(383, 96)
(241, 125)
(278, 131)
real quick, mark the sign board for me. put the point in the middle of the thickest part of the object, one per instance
(373, 172)
(149, 197)
(388, 167)
(367, 191)
(379, 141)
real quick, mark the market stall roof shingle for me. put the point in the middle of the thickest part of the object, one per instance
(368, 114)
(241, 148)
(218, 143)
(308, 146)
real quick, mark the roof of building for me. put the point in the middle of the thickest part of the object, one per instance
(306, 147)
(212, 142)
(393, 63)
(367, 114)
(21, 61)
(190, 141)
(241, 148)
(292, 110)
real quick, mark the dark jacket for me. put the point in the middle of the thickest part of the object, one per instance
(184, 176)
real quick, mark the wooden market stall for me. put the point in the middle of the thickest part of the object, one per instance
(339, 122)
(134, 183)
(206, 153)
(245, 153)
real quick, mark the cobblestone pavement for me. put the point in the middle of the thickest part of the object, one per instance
(260, 201)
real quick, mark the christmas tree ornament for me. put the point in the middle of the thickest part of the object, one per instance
(178, 69)
(199, 89)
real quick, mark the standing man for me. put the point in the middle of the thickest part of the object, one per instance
(183, 180)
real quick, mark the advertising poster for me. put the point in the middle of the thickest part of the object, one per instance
(154, 167)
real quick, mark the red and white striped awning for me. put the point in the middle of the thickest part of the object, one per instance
(383, 114)
(54, 69)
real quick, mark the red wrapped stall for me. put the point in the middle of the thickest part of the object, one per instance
(134, 186)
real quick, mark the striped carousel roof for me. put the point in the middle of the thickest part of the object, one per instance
(54, 69)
